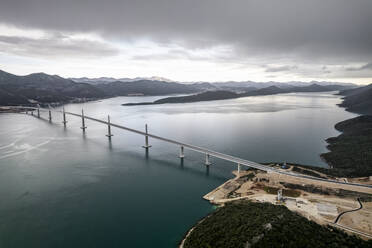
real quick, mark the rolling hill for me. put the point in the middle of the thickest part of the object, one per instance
(146, 87)
(43, 88)
(358, 100)
(223, 94)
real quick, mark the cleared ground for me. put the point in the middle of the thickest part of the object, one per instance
(321, 202)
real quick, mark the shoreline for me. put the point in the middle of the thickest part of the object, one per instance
(220, 95)
(321, 207)
(182, 243)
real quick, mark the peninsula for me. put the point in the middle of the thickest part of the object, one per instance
(312, 208)
(224, 95)
(259, 209)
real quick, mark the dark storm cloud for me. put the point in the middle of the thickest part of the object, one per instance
(306, 30)
(54, 45)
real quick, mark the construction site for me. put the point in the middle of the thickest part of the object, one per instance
(344, 206)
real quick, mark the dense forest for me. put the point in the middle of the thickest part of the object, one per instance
(248, 224)
(358, 100)
(350, 153)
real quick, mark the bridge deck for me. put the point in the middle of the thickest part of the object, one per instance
(204, 150)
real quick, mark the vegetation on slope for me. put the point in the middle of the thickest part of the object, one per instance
(248, 224)
(146, 87)
(42, 88)
(205, 96)
(223, 94)
(358, 100)
(350, 153)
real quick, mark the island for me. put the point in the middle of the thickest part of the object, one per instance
(225, 95)
(205, 96)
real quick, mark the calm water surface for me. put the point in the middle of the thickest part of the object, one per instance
(60, 188)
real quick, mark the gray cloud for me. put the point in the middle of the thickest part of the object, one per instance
(301, 31)
(280, 68)
(55, 45)
(360, 68)
(171, 54)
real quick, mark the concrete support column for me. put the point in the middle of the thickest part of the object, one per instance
(32, 112)
(207, 160)
(50, 115)
(83, 121)
(182, 154)
(239, 169)
(109, 135)
(147, 146)
(38, 112)
(64, 117)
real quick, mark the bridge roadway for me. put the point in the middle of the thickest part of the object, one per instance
(205, 151)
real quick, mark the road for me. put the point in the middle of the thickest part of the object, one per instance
(203, 150)
(348, 211)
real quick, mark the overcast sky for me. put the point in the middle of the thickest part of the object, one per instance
(190, 40)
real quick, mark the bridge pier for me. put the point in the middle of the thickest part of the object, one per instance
(32, 113)
(83, 121)
(50, 115)
(38, 112)
(207, 160)
(64, 117)
(146, 146)
(238, 169)
(109, 135)
(182, 153)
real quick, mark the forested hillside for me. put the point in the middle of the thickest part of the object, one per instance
(248, 224)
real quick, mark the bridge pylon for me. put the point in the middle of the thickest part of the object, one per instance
(109, 134)
(50, 115)
(182, 153)
(146, 146)
(83, 121)
(64, 117)
(207, 159)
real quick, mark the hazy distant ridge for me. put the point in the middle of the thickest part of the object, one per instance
(44, 88)
(210, 85)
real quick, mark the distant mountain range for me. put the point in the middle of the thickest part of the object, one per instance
(242, 84)
(52, 89)
(146, 87)
(47, 89)
(229, 85)
(358, 100)
(43, 88)
(105, 80)
(290, 84)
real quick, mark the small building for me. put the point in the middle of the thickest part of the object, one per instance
(280, 195)
(285, 166)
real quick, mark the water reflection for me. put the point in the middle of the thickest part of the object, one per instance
(111, 192)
